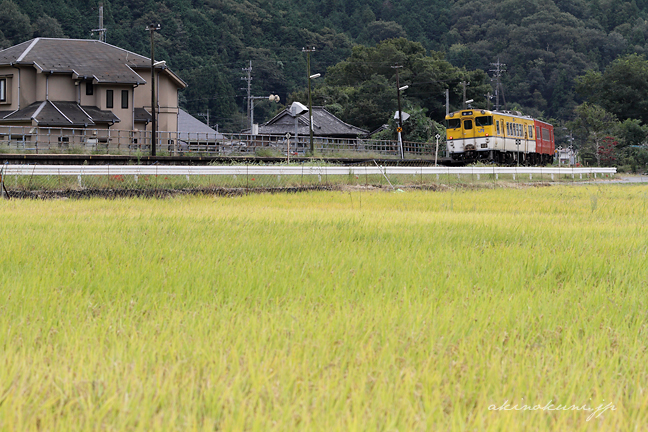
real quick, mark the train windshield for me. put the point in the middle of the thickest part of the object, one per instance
(484, 121)
(454, 124)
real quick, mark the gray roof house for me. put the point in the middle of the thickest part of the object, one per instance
(325, 124)
(83, 83)
(190, 129)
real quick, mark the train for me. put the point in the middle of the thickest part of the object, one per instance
(502, 137)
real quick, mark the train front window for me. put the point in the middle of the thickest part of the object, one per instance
(484, 121)
(468, 124)
(454, 124)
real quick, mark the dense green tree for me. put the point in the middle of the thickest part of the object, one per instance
(545, 44)
(46, 26)
(15, 25)
(362, 88)
(593, 127)
(621, 89)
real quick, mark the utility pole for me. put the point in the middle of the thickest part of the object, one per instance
(464, 84)
(447, 95)
(248, 78)
(499, 69)
(152, 28)
(101, 30)
(310, 103)
(399, 130)
(206, 116)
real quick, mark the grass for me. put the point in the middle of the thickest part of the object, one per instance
(255, 181)
(326, 311)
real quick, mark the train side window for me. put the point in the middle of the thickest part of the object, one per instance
(519, 130)
(468, 124)
(508, 128)
(538, 132)
(497, 124)
(484, 121)
(530, 131)
(454, 124)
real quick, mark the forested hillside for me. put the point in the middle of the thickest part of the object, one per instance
(545, 44)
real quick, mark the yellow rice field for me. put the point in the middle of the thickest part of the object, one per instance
(322, 311)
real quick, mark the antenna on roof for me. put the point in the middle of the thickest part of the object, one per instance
(101, 30)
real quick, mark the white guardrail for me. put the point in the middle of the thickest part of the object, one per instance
(100, 170)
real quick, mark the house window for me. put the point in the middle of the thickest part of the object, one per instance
(124, 98)
(109, 98)
(3, 89)
(89, 88)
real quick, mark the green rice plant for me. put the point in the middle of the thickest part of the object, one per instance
(327, 311)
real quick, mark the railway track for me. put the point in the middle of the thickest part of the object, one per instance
(92, 159)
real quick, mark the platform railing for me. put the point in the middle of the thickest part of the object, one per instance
(40, 140)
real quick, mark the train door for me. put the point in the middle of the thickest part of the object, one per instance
(469, 133)
(498, 132)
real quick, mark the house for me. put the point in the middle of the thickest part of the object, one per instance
(83, 84)
(191, 130)
(566, 156)
(196, 135)
(325, 125)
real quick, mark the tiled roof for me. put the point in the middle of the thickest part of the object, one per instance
(142, 116)
(60, 114)
(84, 58)
(324, 124)
(189, 127)
(97, 115)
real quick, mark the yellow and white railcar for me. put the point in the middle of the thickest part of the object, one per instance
(499, 136)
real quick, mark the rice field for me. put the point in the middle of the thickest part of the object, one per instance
(491, 309)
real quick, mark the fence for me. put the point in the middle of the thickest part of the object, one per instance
(131, 142)
(153, 180)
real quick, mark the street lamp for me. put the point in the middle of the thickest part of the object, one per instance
(400, 119)
(310, 103)
(152, 28)
(271, 98)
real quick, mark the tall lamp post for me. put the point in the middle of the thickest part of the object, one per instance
(152, 28)
(401, 152)
(310, 104)
(271, 98)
